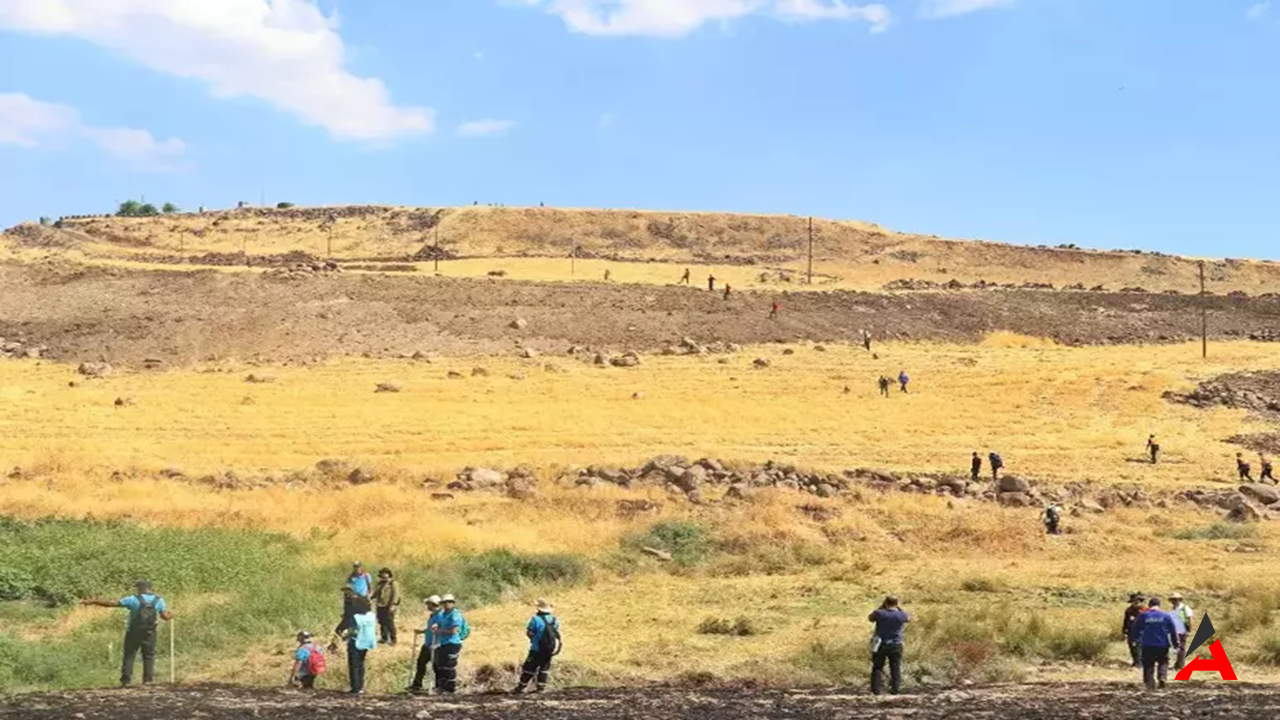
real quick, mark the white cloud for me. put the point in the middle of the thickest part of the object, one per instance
(1259, 9)
(479, 128)
(675, 18)
(286, 52)
(30, 123)
(939, 9)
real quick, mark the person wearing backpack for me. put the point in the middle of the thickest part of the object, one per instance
(361, 636)
(1051, 517)
(996, 463)
(308, 663)
(449, 629)
(146, 610)
(543, 631)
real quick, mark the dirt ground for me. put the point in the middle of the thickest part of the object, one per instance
(179, 318)
(1027, 702)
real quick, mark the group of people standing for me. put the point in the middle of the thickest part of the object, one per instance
(368, 619)
(1152, 633)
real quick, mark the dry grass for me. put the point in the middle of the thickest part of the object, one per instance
(849, 255)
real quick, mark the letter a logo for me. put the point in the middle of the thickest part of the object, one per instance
(1216, 662)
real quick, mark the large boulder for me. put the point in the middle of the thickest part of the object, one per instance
(485, 478)
(627, 360)
(1265, 494)
(1244, 510)
(1013, 499)
(1013, 484)
(691, 479)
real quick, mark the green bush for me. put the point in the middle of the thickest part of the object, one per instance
(284, 205)
(1216, 531)
(15, 584)
(482, 579)
(839, 663)
(687, 542)
(742, 627)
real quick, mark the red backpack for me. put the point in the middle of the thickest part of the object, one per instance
(316, 663)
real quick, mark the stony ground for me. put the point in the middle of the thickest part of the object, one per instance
(179, 318)
(1026, 702)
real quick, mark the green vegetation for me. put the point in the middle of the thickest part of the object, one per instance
(169, 208)
(284, 205)
(230, 589)
(134, 208)
(687, 542)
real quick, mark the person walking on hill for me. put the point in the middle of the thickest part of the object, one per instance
(1153, 448)
(711, 283)
(884, 385)
(903, 380)
(308, 663)
(975, 466)
(1051, 517)
(886, 644)
(1156, 631)
(1242, 468)
(1182, 616)
(1131, 613)
(866, 340)
(727, 289)
(428, 644)
(996, 463)
(543, 632)
(359, 580)
(361, 635)
(684, 279)
(146, 610)
(449, 629)
(1265, 464)
(773, 311)
(386, 596)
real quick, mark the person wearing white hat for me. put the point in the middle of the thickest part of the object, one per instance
(543, 631)
(449, 629)
(428, 645)
(1182, 616)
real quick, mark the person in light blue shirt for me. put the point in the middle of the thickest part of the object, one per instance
(304, 669)
(360, 582)
(428, 645)
(543, 632)
(449, 629)
(362, 636)
(146, 609)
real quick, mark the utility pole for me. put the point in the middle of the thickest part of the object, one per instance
(1203, 315)
(810, 249)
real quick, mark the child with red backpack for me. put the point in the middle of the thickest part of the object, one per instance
(308, 663)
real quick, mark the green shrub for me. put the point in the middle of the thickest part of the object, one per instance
(284, 205)
(742, 627)
(481, 579)
(687, 542)
(840, 663)
(1268, 651)
(15, 584)
(1216, 531)
(1075, 643)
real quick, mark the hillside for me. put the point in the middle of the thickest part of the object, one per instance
(849, 255)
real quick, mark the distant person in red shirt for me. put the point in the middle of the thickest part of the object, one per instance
(773, 311)
(727, 288)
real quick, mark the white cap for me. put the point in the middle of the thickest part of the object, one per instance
(433, 600)
(447, 598)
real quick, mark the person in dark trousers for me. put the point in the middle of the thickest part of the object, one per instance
(996, 463)
(386, 597)
(866, 340)
(428, 645)
(1265, 464)
(543, 632)
(448, 630)
(1153, 448)
(711, 283)
(361, 635)
(903, 380)
(1131, 614)
(884, 386)
(1051, 517)
(348, 609)
(146, 610)
(305, 665)
(773, 311)
(727, 289)
(684, 279)
(1243, 469)
(1156, 632)
(1183, 617)
(886, 644)
(975, 467)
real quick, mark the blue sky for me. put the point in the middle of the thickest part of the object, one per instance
(1098, 122)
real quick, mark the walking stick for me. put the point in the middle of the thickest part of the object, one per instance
(173, 628)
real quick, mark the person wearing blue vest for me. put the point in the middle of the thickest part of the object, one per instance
(1156, 632)
(360, 581)
(361, 635)
(448, 629)
(428, 645)
(886, 644)
(145, 610)
(543, 631)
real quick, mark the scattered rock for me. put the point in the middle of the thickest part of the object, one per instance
(761, 362)
(626, 360)
(601, 359)
(258, 379)
(94, 369)
(1265, 494)
(455, 375)
(519, 324)
(1013, 499)
(387, 387)
(476, 372)
(1013, 483)
(637, 395)
(124, 402)
(360, 476)
(789, 351)
(528, 353)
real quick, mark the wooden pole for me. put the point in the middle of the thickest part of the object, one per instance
(810, 249)
(1204, 316)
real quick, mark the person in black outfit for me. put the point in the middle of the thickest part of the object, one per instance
(428, 646)
(1153, 447)
(1243, 469)
(975, 466)
(1131, 613)
(1265, 463)
(886, 644)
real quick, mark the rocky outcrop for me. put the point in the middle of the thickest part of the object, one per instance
(1259, 391)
